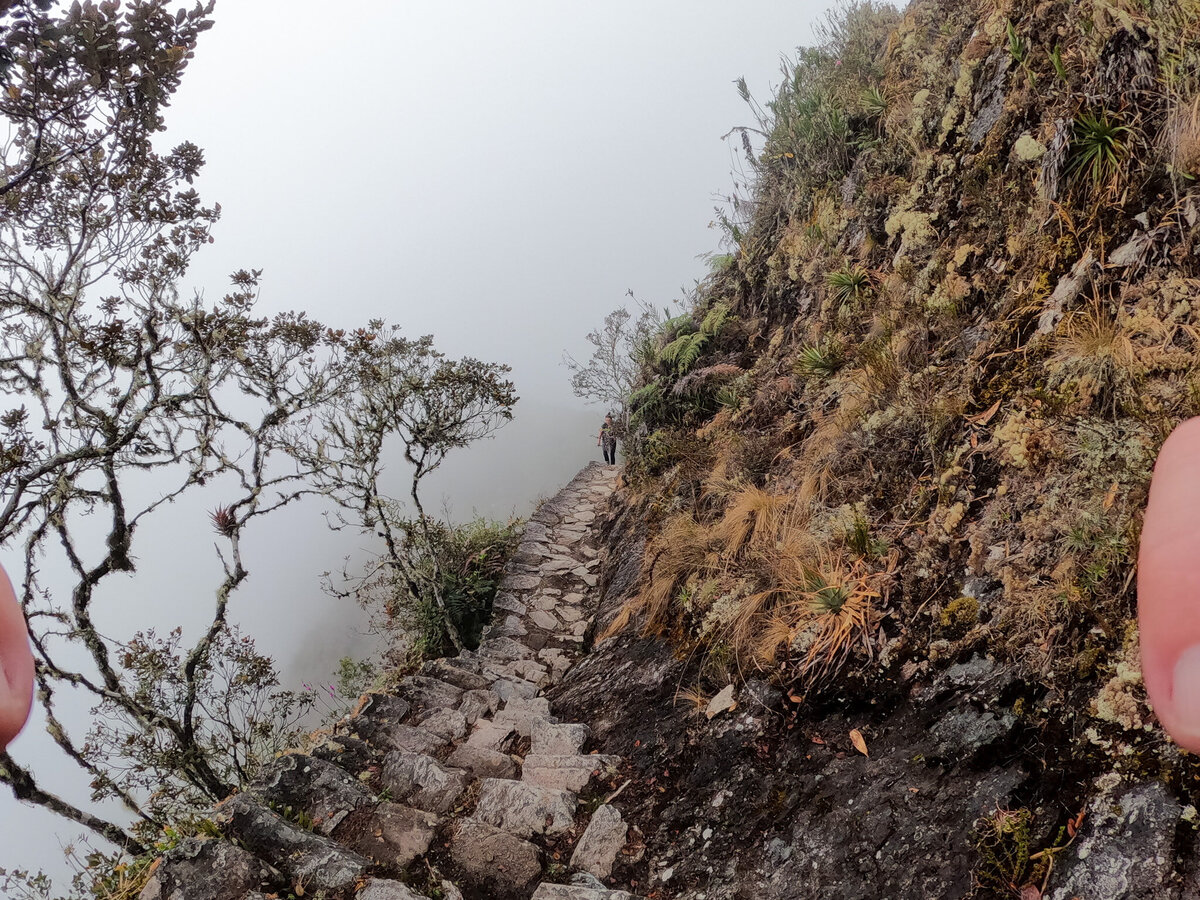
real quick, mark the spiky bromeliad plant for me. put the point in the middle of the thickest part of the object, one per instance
(1100, 145)
(850, 284)
(823, 359)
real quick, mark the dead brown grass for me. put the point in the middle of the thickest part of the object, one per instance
(1095, 352)
(818, 611)
(681, 548)
(1183, 137)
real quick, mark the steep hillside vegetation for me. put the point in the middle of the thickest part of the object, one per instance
(890, 472)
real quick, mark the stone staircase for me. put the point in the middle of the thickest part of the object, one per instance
(463, 768)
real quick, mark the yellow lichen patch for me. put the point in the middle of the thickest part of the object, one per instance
(1028, 148)
(959, 616)
(1012, 439)
(1121, 699)
(952, 517)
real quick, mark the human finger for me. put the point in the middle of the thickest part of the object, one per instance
(16, 665)
(1169, 587)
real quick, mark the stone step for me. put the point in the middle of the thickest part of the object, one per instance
(411, 739)
(389, 834)
(348, 753)
(524, 809)
(429, 693)
(482, 762)
(384, 889)
(574, 892)
(601, 842)
(422, 781)
(478, 704)
(566, 773)
(462, 674)
(550, 739)
(324, 792)
(218, 868)
(312, 860)
(488, 856)
(449, 724)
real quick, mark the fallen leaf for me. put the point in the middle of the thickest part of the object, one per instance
(817, 739)
(1111, 496)
(1031, 892)
(856, 739)
(986, 416)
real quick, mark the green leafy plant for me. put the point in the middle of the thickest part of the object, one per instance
(860, 541)
(1100, 145)
(850, 284)
(1017, 46)
(823, 359)
(874, 103)
(1056, 60)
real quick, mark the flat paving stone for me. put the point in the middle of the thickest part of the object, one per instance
(550, 739)
(422, 781)
(482, 762)
(572, 892)
(566, 773)
(488, 855)
(449, 724)
(524, 809)
(476, 705)
(544, 619)
(601, 843)
(429, 692)
(386, 889)
(412, 739)
(521, 582)
(390, 834)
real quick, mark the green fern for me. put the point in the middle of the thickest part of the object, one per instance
(681, 354)
(715, 320)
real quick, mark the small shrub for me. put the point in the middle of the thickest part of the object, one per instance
(470, 558)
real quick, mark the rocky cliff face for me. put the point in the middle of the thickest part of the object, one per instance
(887, 479)
(770, 798)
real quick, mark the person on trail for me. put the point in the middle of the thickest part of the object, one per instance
(607, 438)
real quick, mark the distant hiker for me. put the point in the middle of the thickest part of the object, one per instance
(608, 439)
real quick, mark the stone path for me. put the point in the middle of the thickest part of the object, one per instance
(464, 762)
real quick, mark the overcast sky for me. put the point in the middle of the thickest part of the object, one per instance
(495, 174)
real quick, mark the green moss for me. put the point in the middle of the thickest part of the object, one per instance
(960, 616)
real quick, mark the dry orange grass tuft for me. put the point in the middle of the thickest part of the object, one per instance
(817, 613)
(820, 449)
(1096, 352)
(1183, 137)
(752, 516)
(680, 549)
